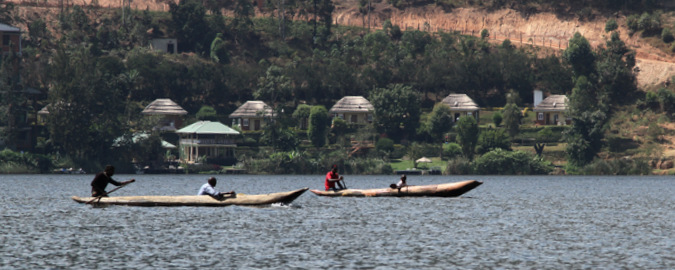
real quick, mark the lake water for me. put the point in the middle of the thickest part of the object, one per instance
(510, 222)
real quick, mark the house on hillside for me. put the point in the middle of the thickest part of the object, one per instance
(167, 45)
(461, 105)
(171, 114)
(251, 115)
(552, 111)
(207, 140)
(354, 110)
(10, 39)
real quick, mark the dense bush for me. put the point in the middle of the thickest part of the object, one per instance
(313, 163)
(649, 23)
(459, 165)
(367, 166)
(617, 167)
(451, 150)
(385, 145)
(15, 162)
(667, 35)
(611, 25)
(497, 118)
(491, 139)
(506, 162)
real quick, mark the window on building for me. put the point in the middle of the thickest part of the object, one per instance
(370, 118)
(540, 116)
(245, 122)
(5, 40)
(342, 116)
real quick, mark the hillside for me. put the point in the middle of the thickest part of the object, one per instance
(542, 29)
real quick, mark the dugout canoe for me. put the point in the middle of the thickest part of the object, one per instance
(439, 190)
(197, 200)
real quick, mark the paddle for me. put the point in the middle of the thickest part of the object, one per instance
(343, 183)
(101, 196)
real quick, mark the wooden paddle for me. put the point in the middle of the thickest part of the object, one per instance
(101, 196)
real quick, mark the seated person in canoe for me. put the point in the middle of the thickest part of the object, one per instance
(101, 181)
(332, 178)
(209, 189)
(401, 183)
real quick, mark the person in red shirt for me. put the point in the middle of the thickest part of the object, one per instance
(333, 177)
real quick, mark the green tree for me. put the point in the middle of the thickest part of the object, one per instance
(580, 55)
(551, 73)
(415, 152)
(397, 110)
(611, 25)
(649, 23)
(280, 138)
(615, 75)
(13, 109)
(243, 12)
(274, 86)
(484, 34)
(497, 119)
(338, 129)
(384, 145)
(86, 99)
(324, 11)
(588, 112)
(188, 19)
(318, 125)
(301, 115)
(467, 135)
(219, 50)
(512, 118)
(439, 122)
(207, 113)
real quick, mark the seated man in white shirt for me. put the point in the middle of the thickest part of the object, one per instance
(401, 183)
(209, 189)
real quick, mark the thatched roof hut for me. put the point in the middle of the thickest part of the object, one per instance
(460, 102)
(352, 104)
(163, 106)
(252, 109)
(553, 103)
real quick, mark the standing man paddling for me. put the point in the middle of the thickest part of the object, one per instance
(102, 179)
(333, 177)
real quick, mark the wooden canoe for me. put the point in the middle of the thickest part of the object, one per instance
(196, 200)
(440, 190)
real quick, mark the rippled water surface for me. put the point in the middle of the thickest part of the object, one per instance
(549, 222)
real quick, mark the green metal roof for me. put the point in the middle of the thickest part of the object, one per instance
(207, 127)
